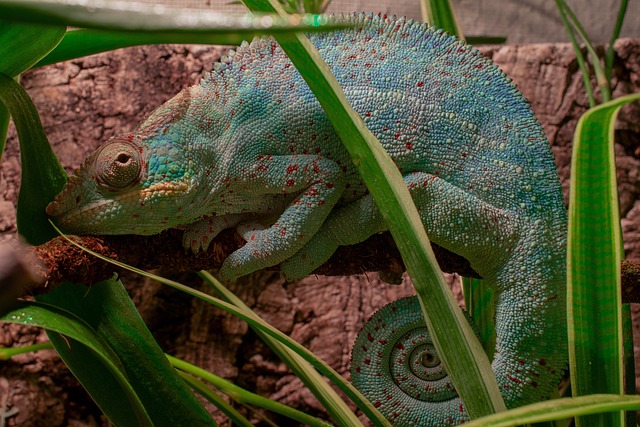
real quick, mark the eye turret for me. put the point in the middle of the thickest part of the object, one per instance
(118, 165)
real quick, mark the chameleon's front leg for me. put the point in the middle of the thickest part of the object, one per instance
(318, 183)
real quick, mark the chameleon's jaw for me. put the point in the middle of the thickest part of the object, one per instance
(81, 209)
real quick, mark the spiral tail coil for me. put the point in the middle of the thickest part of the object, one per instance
(395, 365)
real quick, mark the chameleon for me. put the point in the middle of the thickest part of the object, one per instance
(249, 147)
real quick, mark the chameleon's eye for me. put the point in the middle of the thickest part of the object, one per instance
(118, 165)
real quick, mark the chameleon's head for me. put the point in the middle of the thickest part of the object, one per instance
(133, 184)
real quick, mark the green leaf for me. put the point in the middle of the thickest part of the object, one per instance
(480, 303)
(201, 388)
(243, 396)
(146, 17)
(454, 338)
(4, 127)
(596, 340)
(107, 308)
(42, 176)
(83, 42)
(441, 14)
(92, 357)
(22, 45)
(559, 409)
(335, 406)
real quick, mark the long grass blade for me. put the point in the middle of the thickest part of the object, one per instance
(598, 70)
(334, 405)
(42, 176)
(596, 349)
(582, 64)
(83, 42)
(243, 396)
(441, 14)
(137, 16)
(559, 409)
(610, 53)
(201, 388)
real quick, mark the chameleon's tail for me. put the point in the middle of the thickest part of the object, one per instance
(395, 365)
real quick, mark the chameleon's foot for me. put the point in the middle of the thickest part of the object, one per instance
(315, 253)
(199, 235)
(263, 249)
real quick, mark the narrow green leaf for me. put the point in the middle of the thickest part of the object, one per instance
(454, 339)
(78, 341)
(629, 360)
(559, 409)
(147, 17)
(610, 53)
(22, 45)
(83, 42)
(234, 416)
(441, 14)
(584, 70)
(243, 396)
(4, 127)
(42, 176)
(107, 308)
(596, 340)
(8, 353)
(601, 79)
(480, 303)
(335, 406)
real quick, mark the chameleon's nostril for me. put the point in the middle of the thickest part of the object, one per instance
(78, 199)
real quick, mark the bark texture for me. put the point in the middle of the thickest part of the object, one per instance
(86, 101)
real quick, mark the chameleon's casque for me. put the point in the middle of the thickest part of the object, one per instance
(250, 147)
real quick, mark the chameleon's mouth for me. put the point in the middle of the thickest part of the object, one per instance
(118, 213)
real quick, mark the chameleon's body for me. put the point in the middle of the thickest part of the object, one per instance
(251, 147)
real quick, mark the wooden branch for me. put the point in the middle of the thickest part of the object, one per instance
(39, 269)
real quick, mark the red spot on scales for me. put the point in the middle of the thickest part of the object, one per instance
(292, 168)
(291, 183)
(367, 362)
(420, 84)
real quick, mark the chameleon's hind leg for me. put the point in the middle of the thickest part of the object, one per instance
(453, 218)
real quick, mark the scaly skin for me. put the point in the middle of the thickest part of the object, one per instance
(250, 147)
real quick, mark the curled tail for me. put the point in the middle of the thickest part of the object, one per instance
(394, 363)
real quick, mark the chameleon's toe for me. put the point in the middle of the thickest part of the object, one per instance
(195, 241)
(312, 255)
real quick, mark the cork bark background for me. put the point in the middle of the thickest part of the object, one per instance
(86, 101)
